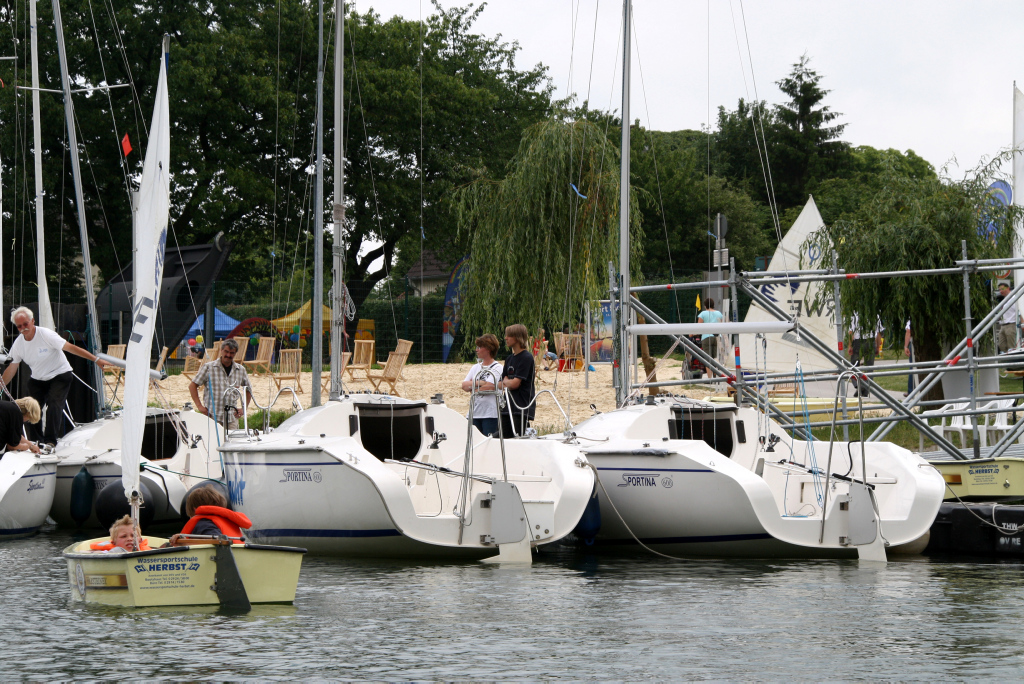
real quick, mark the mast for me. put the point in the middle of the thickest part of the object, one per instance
(317, 324)
(625, 355)
(1018, 185)
(45, 310)
(76, 170)
(338, 216)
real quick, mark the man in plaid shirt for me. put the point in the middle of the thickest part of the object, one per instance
(216, 377)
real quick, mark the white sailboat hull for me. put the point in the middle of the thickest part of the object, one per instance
(684, 497)
(316, 483)
(96, 447)
(27, 484)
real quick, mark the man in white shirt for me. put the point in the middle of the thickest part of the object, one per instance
(43, 350)
(1007, 323)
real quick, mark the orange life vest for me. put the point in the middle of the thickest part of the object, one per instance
(231, 523)
(107, 546)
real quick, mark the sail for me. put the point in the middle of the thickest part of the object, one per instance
(150, 238)
(798, 299)
(1018, 183)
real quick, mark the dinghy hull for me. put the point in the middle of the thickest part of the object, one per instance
(178, 576)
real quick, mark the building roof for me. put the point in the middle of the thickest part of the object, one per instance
(432, 267)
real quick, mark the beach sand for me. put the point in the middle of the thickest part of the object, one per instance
(422, 381)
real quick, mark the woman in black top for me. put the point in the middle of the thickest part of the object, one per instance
(13, 416)
(517, 378)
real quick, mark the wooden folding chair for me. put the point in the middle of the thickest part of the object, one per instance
(289, 368)
(243, 347)
(114, 374)
(363, 357)
(574, 359)
(404, 347)
(325, 378)
(212, 353)
(264, 355)
(192, 366)
(391, 374)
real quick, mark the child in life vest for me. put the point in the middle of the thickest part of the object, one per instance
(209, 515)
(122, 537)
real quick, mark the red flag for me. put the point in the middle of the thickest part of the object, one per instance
(126, 145)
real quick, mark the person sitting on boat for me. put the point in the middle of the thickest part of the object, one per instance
(485, 407)
(13, 416)
(123, 534)
(51, 375)
(216, 377)
(209, 515)
(517, 377)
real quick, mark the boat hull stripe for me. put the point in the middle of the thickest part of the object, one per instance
(664, 470)
(289, 532)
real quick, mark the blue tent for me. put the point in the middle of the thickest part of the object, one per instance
(222, 325)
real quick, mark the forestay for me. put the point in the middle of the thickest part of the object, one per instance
(150, 238)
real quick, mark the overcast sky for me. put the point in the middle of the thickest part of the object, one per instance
(935, 77)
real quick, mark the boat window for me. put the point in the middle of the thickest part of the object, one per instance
(391, 432)
(159, 438)
(716, 432)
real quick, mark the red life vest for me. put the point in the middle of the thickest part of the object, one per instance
(107, 546)
(231, 523)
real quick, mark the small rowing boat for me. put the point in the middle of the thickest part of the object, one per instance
(200, 570)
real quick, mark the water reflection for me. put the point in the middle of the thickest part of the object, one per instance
(569, 616)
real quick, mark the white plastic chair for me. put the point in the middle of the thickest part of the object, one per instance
(957, 424)
(996, 423)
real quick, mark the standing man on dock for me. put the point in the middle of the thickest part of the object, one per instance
(51, 375)
(216, 377)
(1007, 323)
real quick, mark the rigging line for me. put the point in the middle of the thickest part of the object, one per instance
(277, 128)
(373, 186)
(422, 346)
(574, 201)
(707, 225)
(773, 203)
(756, 119)
(654, 157)
(136, 100)
(422, 234)
(291, 155)
(110, 104)
(99, 202)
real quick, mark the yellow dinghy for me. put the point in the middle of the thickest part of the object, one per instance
(202, 571)
(984, 479)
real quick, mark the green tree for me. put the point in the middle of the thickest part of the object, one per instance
(808, 147)
(917, 221)
(242, 86)
(540, 248)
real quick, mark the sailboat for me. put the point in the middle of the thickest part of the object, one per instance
(176, 444)
(692, 478)
(27, 480)
(375, 475)
(185, 574)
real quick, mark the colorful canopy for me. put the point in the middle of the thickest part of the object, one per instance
(302, 317)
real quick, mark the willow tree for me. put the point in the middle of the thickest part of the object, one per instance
(542, 237)
(914, 222)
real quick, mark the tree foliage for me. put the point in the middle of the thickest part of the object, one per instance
(919, 221)
(540, 249)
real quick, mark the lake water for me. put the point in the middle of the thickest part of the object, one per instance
(566, 617)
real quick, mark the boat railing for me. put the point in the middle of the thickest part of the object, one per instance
(532, 402)
(844, 378)
(296, 405)
(474, 391)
